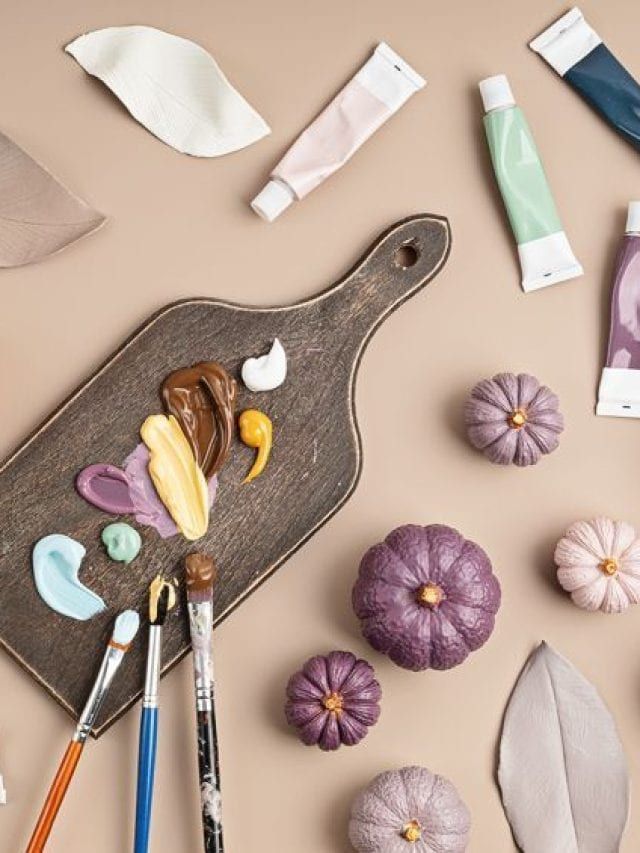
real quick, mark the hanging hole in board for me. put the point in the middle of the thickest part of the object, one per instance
(406, 256)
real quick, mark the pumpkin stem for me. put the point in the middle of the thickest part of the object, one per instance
(430, 595)
(517, 419)
(333, 703)
(412, 831)
(609, 566)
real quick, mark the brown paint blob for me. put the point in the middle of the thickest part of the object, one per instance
(202, 399)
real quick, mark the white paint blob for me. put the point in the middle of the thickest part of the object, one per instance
(267, 371)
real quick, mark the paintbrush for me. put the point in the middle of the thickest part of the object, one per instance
(201, 576)
(124, 630)
(162, 598)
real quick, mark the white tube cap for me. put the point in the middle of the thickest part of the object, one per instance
(496, 93)
(3, 793)
(633, 218)
(273, 199)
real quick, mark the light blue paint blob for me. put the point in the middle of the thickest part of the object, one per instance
(56, 562)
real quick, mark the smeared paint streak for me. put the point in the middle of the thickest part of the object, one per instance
(56, 562)
(129, 490)
(178, 479)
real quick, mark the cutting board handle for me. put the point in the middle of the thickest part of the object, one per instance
(398, 264)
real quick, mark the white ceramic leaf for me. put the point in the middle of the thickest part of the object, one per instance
(38, 215)
(173, 87)
(563, 774)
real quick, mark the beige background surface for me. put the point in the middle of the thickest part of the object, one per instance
(182, 227)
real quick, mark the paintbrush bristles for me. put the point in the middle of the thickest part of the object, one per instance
(200, 596)
(162, 598)
(125, 628)
(162, 607)
(201, 577)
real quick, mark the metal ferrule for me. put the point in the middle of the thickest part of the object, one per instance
(110, 664)
(152, 677)
(201, 624)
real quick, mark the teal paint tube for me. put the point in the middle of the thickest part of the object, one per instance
(544, 251)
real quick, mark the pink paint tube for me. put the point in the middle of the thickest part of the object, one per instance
(377, 91)
(619, 392)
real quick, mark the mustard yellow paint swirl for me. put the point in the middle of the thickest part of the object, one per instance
(180, 483)
(256, 430)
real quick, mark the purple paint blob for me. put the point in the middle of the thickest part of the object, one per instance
(131, 491)
(149, 509)
(106, 487)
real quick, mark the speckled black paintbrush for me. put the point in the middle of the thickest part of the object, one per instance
(201, 576)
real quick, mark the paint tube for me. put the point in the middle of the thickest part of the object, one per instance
(383, 84)
(619, 392)
(578, 54)
(543, 248)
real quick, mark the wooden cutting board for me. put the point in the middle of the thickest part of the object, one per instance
(254, 528)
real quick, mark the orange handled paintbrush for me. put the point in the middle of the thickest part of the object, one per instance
(124, 630)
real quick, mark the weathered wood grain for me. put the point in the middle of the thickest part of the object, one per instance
(314, 466)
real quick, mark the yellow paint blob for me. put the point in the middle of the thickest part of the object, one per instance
(256, 430)
(179, 482)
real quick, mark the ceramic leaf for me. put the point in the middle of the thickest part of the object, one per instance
(563, 774)
(173, 87)
(38, 215)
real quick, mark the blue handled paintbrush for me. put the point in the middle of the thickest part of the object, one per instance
(161, 600)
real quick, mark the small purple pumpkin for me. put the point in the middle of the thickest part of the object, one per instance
(411, 806)
(426, 597)
(333, 700)
(513, 419)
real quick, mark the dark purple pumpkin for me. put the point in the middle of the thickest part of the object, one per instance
(426, 597)
(333, 700)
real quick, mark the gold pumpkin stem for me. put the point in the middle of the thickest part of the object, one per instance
(412, 831)
(517, 419)
(609, 566)
(430, 595)
(333, 703)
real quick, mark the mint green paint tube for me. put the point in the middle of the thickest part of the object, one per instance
(543, 248)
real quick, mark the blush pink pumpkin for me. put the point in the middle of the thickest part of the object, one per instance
(407, 810)
(513, 419)
(599, 564)
(333, 700)
(426, 596)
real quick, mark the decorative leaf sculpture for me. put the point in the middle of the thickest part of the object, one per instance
(173, 87)
(38, 215)
(563, 774)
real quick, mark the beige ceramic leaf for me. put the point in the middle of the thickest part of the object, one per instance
(563, 774)
(173, 87)
(38, 215)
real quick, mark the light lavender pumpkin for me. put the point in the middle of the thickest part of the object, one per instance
(409, 811)
(513, 419)
(599, 564)
(333, 700)
(426, 596)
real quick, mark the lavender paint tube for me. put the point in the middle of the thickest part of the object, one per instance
(579, 56)
(619, 392)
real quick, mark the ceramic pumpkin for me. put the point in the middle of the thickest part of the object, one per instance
(426, 597)
(513, 419)
(409, 811)
(599, 564)
(333, 700)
